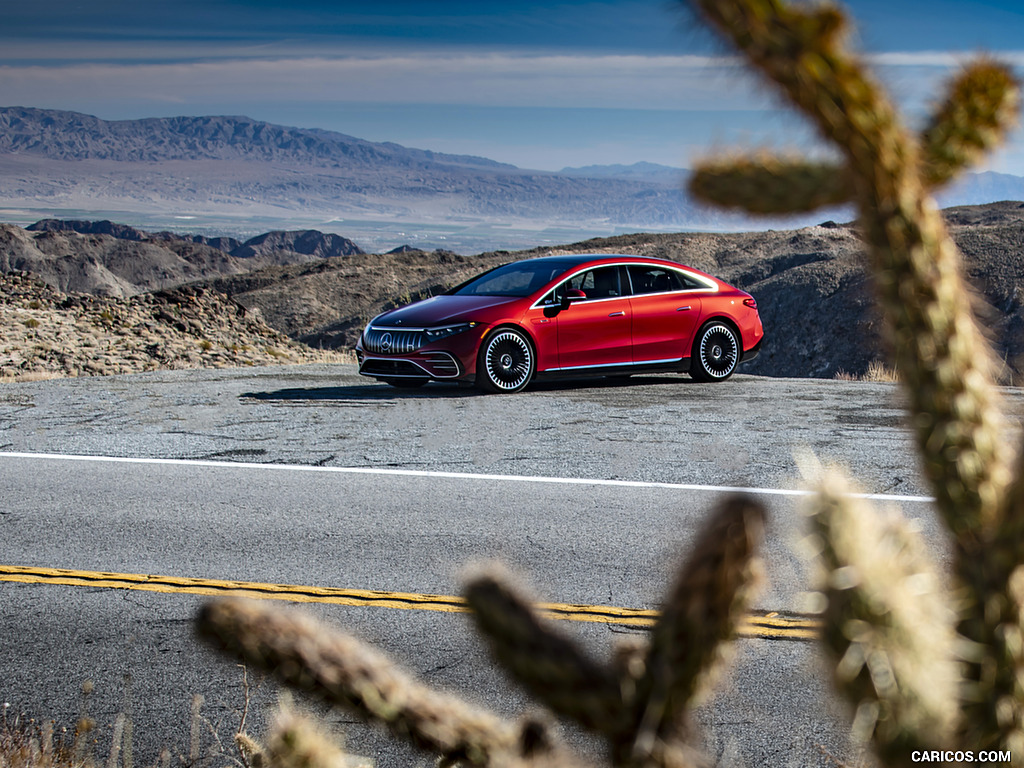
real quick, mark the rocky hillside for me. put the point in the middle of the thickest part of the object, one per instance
(269, 248)
(109, 259)
(812, 290)
(810, 284)
(50, 333)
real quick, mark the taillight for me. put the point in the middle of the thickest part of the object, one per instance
(750, 303)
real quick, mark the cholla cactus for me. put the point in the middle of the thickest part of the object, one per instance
(638, 703)
(888, 622)
(944, 360)
(298, 741)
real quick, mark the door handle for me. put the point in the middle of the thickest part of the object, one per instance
(616, 314)
(683, 309)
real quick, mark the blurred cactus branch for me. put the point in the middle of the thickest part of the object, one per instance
(700, 617)
(767, 184)
(297, 741)
(979, 110)
(945, 361)
(888, 622)
(640, 705)
(341, 670)
(552, 668)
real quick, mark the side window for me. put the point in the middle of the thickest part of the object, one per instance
(654, 279)
(598, 283)
(690, 284)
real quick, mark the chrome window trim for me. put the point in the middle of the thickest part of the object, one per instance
(697, 278)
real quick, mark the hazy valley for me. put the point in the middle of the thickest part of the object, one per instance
(239, 177)
(208, 183)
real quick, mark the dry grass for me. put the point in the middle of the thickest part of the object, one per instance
(30, 376)
(877, 371)
(27, 743)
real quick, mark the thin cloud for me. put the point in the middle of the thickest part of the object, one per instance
(940, 59)
(624, 81)
(482, 79)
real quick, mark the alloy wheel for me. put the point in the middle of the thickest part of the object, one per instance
(717, 353)
(507, 362)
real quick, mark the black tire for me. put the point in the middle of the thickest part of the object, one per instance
(406, 383)
(506, 362)
(716, 352)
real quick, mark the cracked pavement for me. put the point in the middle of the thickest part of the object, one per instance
(655, 429)
(576, 543)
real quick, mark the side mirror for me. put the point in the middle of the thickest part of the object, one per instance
(572, 295)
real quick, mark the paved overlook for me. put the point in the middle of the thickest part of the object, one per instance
(153, 486)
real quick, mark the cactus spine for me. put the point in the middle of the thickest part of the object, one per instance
(638, 704)
(944, 360)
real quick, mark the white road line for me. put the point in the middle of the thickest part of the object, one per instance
(450, 475)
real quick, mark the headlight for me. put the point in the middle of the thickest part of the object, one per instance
(436, 334)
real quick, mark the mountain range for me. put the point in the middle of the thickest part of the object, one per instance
(67, 160)
(240, 169)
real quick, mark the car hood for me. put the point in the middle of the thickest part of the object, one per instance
(440, 310)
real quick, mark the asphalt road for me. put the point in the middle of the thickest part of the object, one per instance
(427, 504)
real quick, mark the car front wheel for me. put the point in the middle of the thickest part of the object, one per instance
(716, 352)
(505, 362)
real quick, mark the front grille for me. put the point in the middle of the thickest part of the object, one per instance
(391, 341)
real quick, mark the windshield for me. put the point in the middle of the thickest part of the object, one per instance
(518, 279)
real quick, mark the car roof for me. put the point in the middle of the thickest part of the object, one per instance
(577, 259)
(583, 258)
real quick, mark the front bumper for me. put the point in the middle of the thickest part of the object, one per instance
(418, 365)
(445, 360)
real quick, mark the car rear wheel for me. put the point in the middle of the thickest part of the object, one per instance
(716, 352)
(505, 362)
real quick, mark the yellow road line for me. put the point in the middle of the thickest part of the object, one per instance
(768, 625)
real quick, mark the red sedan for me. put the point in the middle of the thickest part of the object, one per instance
(587, 314)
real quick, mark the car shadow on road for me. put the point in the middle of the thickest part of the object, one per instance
(607, 382)
(439, 390)
(363, 393)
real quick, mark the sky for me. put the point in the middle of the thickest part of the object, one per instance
(541, 85)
